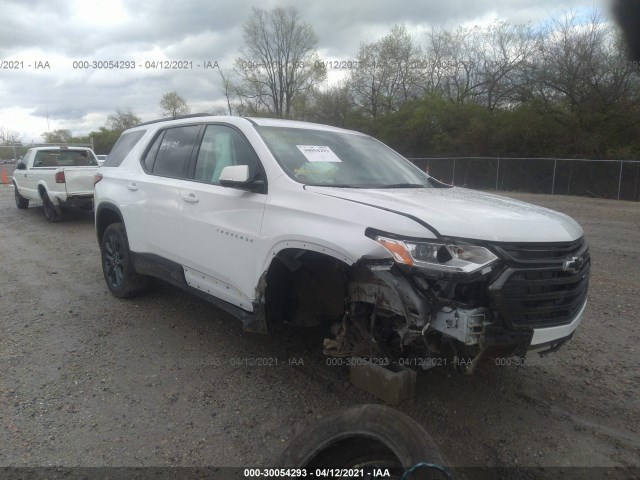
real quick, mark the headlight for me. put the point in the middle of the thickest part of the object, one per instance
(453, 257)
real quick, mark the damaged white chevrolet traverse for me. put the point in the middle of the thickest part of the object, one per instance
(283, 222)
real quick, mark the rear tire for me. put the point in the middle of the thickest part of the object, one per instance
(365, 436)
(117, 265)
(51, 212)
(21, 202)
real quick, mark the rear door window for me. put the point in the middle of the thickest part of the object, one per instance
(173, 151)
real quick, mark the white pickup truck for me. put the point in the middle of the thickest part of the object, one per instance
(59, 177)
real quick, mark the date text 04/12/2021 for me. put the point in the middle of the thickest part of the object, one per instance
(145, 65)
(241, 362)
(317, 473)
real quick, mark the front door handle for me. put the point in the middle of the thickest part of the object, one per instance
(191, 198)
(132, 186)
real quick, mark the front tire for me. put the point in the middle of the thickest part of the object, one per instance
(365, 436)
(117, 265)
(21, 202)
(51, 212)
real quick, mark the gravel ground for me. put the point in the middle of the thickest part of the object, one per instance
(91, 380)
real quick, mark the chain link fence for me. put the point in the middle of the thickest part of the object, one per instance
(616, 179)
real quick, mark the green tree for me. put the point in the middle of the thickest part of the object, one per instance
(60, 135)
(331, 105)
(103, 140)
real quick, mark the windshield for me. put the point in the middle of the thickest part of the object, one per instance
(316, 157)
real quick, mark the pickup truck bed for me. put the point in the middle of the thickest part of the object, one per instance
(56, 176)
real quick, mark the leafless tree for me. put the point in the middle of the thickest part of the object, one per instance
(503, 52)
(122, 120)
(9, 137)
(278, 63)
(387, 72)
(581, 79)
(580, 65)
(453, 61)
(228, 89)
(173, 104)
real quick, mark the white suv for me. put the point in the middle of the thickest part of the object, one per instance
(283, 222)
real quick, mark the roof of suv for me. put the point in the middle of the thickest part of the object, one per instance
(234, 120)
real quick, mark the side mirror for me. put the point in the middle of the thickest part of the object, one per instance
(21, 166)
(237, 176)
(234, 174)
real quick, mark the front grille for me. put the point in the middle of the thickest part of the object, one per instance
(528, 253)
(549, 294)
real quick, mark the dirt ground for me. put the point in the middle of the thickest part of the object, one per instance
(87, 379)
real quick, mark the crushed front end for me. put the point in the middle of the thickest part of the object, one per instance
(459, 301)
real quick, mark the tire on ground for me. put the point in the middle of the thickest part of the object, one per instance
(361, 434)
(51, 212)
(117, 265)
(21, 202)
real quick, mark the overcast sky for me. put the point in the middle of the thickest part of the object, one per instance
(60, 32)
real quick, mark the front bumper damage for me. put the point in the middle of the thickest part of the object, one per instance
(513, 308)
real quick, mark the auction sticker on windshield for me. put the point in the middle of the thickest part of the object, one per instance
(318, 153)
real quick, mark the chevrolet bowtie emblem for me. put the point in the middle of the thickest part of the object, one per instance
(573, 264)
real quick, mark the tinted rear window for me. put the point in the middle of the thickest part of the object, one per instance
(64, 158)
(122, 147)
(174, 151)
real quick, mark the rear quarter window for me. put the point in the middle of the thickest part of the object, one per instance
(122, 148)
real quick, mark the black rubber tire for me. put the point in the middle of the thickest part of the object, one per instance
(369, 435)
(51, 212)
(117, 266)
(21, 202)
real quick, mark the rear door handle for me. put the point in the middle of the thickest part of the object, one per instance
(191, 198)
(132, 186)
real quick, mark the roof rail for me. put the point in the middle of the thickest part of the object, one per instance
(178, 117)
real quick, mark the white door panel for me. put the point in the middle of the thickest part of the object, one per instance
(219, 238)
(153, 215)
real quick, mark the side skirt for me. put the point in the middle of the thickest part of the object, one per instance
(173, 273)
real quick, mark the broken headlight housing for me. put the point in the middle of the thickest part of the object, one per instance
(448, 257)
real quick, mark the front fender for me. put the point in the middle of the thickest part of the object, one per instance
(334, 251)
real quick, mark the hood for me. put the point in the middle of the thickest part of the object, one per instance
(470, 214)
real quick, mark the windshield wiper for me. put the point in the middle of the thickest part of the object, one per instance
(402, 185)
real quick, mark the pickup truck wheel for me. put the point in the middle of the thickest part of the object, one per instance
(366, 436)
(50, 211)
(121, 277)
(21, 202)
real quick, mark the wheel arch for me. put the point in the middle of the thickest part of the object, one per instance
(303, 284)
(42, 187)
(106, 214)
